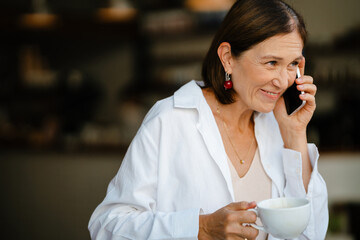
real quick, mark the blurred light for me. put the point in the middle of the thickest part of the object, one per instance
(116, 14)
(38, 20)
(118, 11)
(209, 5)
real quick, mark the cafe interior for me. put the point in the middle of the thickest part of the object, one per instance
(77, 78)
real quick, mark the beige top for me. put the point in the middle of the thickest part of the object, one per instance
(254, 186)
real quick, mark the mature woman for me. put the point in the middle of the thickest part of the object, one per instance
(204, 156)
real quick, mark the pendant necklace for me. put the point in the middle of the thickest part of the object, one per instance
(242, 161)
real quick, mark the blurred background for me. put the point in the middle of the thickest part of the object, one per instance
(77, 77)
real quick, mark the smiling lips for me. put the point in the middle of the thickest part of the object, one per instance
(271, 95)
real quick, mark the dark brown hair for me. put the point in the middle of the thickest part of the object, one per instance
(247, 23)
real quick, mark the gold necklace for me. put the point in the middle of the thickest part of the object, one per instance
(242, 161)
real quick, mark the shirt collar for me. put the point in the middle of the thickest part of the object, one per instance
(189, 95)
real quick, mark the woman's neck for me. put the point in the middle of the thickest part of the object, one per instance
(236, 114)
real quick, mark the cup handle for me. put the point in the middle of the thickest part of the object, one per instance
(254, 225)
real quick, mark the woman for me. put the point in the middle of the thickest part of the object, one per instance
(203, 156)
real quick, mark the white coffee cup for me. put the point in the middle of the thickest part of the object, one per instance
(283, 217)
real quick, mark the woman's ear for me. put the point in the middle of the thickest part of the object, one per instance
(224, 53)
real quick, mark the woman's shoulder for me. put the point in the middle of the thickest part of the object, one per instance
(173, 107)
(160, 109)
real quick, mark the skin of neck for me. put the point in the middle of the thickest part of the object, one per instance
(236, 115)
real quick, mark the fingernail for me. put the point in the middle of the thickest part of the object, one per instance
(253, 202)
(300, 87)
(299, 80)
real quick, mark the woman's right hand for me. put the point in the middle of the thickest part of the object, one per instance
(227, 223)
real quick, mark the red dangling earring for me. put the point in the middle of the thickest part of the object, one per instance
(228, 83)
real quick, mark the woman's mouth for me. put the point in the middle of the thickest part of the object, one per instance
(271, 95)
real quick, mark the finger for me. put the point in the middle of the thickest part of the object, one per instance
(310, 99)
(237, 237)
(235, 206)
(308, 88)
(252, 204)
(304, 79)
(243, 216)
(302, 66)
(249, 232)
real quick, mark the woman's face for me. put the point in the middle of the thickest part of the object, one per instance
(261, 74)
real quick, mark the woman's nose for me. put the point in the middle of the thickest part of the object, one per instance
(281, 81)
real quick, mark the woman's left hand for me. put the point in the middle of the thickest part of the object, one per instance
(295, 125)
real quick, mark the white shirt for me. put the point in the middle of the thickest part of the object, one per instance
(176, 167)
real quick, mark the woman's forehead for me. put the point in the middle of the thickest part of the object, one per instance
(280, 46)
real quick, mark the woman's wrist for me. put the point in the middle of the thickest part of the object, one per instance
(298, 142)
(202, 235)
(295, 140)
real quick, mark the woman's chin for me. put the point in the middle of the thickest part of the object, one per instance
(264, 109)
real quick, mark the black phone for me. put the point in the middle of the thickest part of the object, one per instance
(291, 97)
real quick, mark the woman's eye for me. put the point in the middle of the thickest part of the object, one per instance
(272, 63)
(295, 64)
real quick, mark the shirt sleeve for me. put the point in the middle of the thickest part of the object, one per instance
(317, 191)
(129, 210)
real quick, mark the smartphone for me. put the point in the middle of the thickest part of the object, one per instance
(291, 97)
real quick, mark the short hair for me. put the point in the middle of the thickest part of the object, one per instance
(247, 23)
